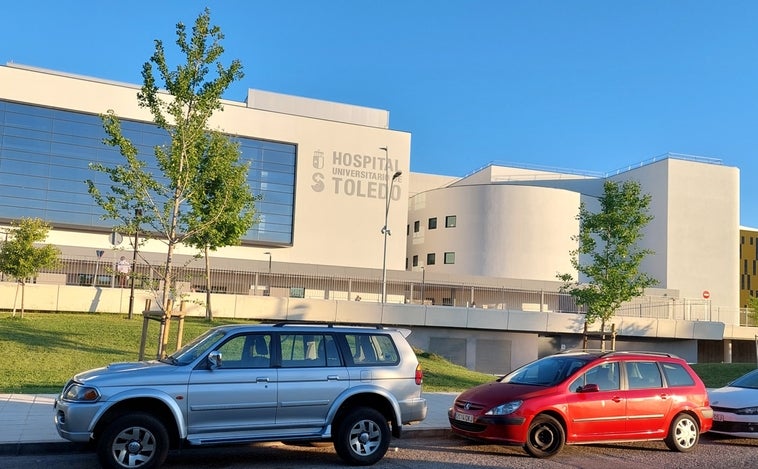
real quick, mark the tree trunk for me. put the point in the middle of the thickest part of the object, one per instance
(23, 284)
(208, 311)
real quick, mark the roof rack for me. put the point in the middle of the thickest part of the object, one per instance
(640, 352)
(607, 353)
(327, 324)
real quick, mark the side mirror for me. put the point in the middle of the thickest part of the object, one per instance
(591, 387)
(214, 359)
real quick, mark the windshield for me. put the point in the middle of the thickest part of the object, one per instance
(749, 380)
(197, 347)
(547, 371)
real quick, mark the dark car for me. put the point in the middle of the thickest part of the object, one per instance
(588, 397)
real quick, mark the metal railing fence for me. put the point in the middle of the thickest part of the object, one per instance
(101, 273)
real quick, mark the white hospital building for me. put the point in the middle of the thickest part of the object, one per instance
(460, 250)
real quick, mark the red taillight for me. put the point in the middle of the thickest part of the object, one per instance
(419, 375)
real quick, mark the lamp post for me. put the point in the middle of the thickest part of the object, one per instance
(269, 272)
(385, 230)
(137, 214)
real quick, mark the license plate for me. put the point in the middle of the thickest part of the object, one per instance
(468, 418)
(718, 417)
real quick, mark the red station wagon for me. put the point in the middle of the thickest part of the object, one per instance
(587, 397)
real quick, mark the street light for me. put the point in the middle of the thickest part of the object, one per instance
(269, 272)
(137, 214)
(385, 230)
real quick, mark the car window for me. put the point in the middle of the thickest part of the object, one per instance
(372, 349)
(676, 375)
(605, 375)
(643, 375)
(246, 351)
(309, 350)
(749, 380)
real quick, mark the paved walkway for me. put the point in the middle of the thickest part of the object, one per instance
(26, 421)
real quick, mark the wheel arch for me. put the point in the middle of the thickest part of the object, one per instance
(153, 406)
(379, 401)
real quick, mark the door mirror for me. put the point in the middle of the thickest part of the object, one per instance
(214, 359)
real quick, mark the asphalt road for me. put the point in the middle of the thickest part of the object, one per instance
(432, 453)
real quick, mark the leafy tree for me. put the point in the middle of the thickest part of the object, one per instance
(224, 209)
(609, 241)
(21, 259)
(752, 311)
(183, 111)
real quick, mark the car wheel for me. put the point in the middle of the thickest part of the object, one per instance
(131, 441)
(683, 434)
(545, 437)
(363, 437)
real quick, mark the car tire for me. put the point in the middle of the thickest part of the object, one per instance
(362, 437)
(133, 440)
(545, 437)
(684, 433)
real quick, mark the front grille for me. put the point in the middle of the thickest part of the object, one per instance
(726, 410)
(735, 427)
(468, 406)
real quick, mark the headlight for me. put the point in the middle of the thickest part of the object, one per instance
(747, 411)
(79, 393)
(505, 409)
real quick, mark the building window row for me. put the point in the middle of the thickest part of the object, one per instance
(450, 222)
(431, 259)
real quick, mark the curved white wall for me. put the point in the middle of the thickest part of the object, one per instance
(507, 231)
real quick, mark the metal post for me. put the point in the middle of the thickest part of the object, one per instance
(137, 214)
(385, 229)
(423, 283)
(268, 292)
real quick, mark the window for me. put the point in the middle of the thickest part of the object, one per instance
(606, 376)
(676, 375)
(430, 258)
(416, 226)
(297, 292)
(450, 221)
(449, 258)
(415, 261)
(372, 349)
(309, 350)
(246, 351)
(433, 223)
(643, 375)
(46, 156)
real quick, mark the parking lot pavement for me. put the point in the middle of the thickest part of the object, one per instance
(26, 421)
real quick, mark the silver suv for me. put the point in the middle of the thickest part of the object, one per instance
(354, 386)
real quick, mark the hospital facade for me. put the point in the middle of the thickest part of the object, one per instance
(329, 174)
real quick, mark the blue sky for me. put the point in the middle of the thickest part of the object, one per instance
(593, 85)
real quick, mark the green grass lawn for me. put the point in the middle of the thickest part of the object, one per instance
(43, 350)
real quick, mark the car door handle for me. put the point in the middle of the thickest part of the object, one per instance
(664, 396)
(333, 378)
(616, 399)
(262, 379)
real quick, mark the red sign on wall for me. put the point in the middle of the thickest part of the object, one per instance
(706, 294)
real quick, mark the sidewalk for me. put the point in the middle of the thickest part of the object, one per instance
(26, 422)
